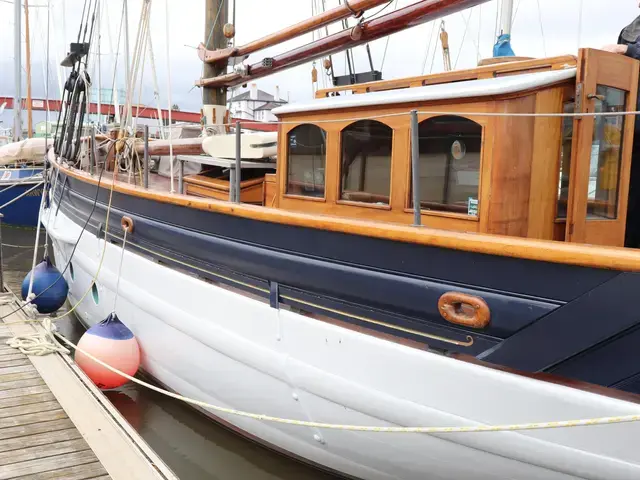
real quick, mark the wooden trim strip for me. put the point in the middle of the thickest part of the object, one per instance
(488, 71)
(612, 258)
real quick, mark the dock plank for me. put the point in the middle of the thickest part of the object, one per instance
(19, 369)
(29, 408)
(19, 392)
(55, 424)
(18, 376)
(46, 464)
(39, 439)
(26, 399)
(30, 418)
(6, 354)
(28, 452)
(31, 429)
(93, 471)
(15, 362)
(29, 382)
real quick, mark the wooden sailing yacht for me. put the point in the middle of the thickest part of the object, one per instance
(506, 297)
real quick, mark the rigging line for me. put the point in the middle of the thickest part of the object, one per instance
(544, 43)
(464, 35)
(426, 54)
(384, 7)
(479, 31)
(84, 227)
(386, 45)
(114, 92)
(495, 29)
(516, 12)
(435, 49)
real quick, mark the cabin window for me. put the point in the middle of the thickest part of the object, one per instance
(306, 161)
(565, 160)
(366, 162)
(606, 154)
(449, 162)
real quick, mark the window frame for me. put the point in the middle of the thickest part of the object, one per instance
(355, 203)
(285, 183)
(484, 125)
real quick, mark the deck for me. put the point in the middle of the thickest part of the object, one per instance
(55, 424)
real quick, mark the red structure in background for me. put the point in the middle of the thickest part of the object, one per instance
(139, 111)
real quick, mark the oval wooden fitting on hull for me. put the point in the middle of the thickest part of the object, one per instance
(465, 310)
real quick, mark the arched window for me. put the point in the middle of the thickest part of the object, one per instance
(365, 169)
(450, 164)
(306, 161)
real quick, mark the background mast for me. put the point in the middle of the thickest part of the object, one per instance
(17, 59)
(28, 55)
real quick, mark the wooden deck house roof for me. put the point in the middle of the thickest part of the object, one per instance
(443, 91)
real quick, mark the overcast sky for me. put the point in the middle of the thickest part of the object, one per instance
(471, 36)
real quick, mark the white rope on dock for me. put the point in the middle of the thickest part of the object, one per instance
(41, 343)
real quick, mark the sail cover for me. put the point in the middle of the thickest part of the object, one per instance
(502, 48)
(30, 150)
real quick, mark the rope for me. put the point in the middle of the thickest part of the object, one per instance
(363, 428)
(45, 342)
(124, 246)
(104, 250)
(42, 343)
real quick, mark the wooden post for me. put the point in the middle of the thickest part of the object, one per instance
(214, 38)
(28, 53)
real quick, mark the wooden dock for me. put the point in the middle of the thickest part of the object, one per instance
(55, 424)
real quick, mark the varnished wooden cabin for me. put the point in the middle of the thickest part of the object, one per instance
(486, 164)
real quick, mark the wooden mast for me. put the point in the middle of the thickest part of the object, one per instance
(28, 59)
(216, 14)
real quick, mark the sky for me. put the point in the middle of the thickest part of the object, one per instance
(541, 28)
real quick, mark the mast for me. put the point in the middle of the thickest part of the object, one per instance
(17, 59)
(28, 52)
(98, 35)
(506, 17)
(215, 14)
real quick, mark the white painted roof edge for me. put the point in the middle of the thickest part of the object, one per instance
(444, 91)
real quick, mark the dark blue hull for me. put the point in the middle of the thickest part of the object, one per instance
(24, 211)
(577, 322)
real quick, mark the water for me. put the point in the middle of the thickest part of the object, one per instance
(189, 443)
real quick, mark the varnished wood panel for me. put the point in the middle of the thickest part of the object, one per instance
(511, 170)
(545, 168)
(270, 190)
(202, 186)
(600, 68)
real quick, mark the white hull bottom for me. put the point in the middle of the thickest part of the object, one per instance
(227, 349)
